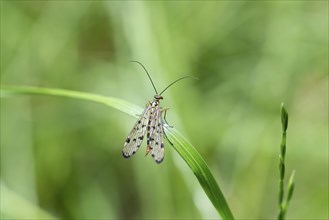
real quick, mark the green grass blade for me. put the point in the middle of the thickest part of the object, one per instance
(118, 104)
(200, 170)
(181, 144)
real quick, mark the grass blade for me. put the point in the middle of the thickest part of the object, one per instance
(200, 170)
(118, 104)
(181, 144)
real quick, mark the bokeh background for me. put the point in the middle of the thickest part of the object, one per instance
(62, 157)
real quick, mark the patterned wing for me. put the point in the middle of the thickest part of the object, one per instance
(156, 138)
(136, 136)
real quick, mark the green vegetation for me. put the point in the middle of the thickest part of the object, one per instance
(61, 158)
(181, 145)
(283, 204)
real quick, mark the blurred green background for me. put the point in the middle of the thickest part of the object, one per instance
(64, 155)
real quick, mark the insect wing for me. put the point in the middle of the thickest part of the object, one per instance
(136, 136)
(156, 138)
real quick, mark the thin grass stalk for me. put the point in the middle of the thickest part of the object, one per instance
(284, 201)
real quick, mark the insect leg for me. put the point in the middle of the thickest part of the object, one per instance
(147, 105)
(165, 114)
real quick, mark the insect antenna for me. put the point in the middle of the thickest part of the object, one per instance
(177, 81)
(133, 61)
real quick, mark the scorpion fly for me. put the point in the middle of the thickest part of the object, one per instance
(150, 122)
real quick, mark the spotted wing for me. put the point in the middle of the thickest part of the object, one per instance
(156, 137)
(136, 136)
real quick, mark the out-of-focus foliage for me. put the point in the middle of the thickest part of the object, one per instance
(63, 158)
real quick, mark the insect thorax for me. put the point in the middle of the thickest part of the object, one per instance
(154, 103)
(156, 100)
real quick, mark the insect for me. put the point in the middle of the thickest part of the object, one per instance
(150, 122)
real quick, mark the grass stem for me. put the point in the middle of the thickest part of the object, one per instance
(284, 201)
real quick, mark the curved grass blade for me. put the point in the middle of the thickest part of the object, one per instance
(118, 104)
(181, 144)
(200, 170)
